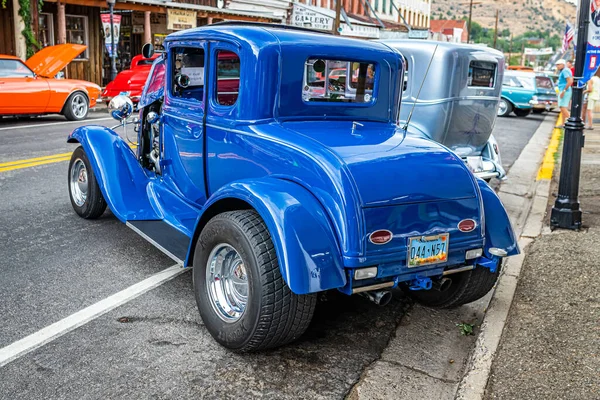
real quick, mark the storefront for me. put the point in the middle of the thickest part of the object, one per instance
(83, 22)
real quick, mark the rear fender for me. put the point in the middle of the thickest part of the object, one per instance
(498, 229)
(304, 240)
(120, 177)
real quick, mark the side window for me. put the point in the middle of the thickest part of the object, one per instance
(228, 78)
(187, 79)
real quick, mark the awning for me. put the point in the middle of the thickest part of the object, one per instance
(323, 19)
(160, 6)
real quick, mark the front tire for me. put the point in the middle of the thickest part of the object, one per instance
(465, 288)
(242, 297)
(504, 108)
(538, 111)
(85, 194)
(521, 113)
(76, 107)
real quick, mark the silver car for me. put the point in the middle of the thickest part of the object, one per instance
(458, 102)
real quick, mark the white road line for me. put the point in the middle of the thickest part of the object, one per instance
(73, 321)
(91, 120)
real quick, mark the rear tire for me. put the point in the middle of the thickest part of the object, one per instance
(84, 192)
(76, 107)
(521, 113)
(504, 108)
(242, 297)
(466, 287)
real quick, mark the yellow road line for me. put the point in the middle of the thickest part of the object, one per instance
(547, 167)
(33, 162)
(29, 160)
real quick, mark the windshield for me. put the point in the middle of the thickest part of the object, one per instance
(347, 81)
(518, 81)
(14, 69)
(543, 82)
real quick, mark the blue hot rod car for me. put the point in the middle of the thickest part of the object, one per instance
(277, 179)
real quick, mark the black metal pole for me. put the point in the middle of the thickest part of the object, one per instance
(113, 54)
(566, 212)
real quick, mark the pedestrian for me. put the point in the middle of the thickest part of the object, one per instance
(593, 93)
(571, 67)
(565, 81)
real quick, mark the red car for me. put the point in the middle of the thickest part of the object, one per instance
(131, 80)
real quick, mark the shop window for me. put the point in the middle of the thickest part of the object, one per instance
(228, 78)
(188, 74)
(45, 30)
(77, 33)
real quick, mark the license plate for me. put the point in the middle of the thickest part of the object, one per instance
(427, 250)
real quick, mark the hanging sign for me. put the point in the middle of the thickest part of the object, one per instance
(178, 20)
(592, 54)
(105, 18)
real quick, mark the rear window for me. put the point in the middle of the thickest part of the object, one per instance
(482, 74)
(338, 81)
(543, 82)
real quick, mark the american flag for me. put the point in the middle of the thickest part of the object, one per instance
(568, 38)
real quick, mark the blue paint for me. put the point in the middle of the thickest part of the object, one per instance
(320, 182)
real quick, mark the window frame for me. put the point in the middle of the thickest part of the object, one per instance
(50, 19)
(170, 76)
(495, 77)
(374, 91)
(86, 53)
(215, 73)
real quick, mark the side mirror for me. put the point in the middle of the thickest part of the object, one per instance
(120, 107)
(148, 50)
(182, 81)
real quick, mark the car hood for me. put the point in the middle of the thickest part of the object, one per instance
(131, 80)
(390, 167)
(52, 59)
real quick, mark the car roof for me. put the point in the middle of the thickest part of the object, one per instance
(428, 45)
(257, 34)
(524, 74)
(9, 57)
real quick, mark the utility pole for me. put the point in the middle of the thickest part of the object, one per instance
(338, 10)
(510, 48)
(496, 29)
(566, 212)
(469, 24)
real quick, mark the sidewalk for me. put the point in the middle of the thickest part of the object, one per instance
(550, 347)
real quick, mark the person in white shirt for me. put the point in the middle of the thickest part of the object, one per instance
(593, 92)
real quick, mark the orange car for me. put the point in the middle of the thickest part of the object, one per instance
(29, 87)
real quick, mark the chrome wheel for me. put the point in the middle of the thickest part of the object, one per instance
(79, 105)
(503, 106)
(227, 282)
(79, 182)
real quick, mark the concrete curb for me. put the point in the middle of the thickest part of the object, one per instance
(525, 200)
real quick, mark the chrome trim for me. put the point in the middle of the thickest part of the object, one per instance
(372, 287)
(457, 270)
(79, 182)
(158, 246)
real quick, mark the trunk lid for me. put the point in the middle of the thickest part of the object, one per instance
(52, 59)
(389, 167)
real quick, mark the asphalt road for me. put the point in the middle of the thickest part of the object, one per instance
(53, 264)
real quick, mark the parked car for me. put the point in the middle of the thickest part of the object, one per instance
(455, 102)
(130, 81)
(524, 92)
(29, 88)
(283, 193)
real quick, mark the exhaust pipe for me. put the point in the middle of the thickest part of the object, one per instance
(379, 297)
(441, 285)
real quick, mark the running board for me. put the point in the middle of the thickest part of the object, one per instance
(164, 237)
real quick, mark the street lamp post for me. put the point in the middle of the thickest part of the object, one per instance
(113, 53)
(566, 212)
